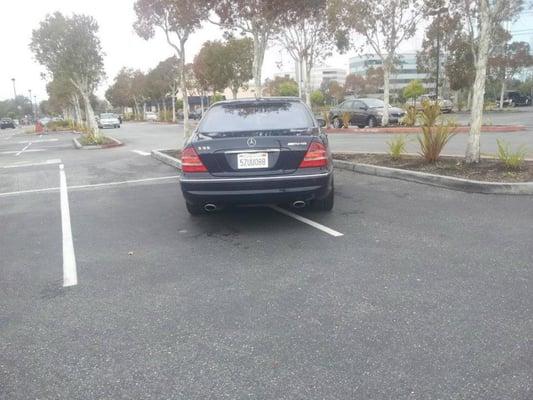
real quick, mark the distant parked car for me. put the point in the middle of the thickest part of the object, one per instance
(195, 114)
(364, 112)
(150, 116)
(513, 98)
(108, 120)
(7, 123)
(45, 120)
(446, 106)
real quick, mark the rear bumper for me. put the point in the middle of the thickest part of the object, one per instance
(260, 190)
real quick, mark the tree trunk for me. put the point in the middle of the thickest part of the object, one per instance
(260, 42)
(77, 109)
(89, 114)
(165, 109)
(502, 93)
(307, 83)
(469, 100)
(173, 106)
(476, 118)
(234, 92)
(184, 91)
(386, 92)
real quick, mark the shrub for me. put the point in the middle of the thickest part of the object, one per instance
(89, 139)
(56, 126)
(411, 116)
(434, 137)
(512, 160)
(414, 89)
(317, 98)
(397, 147)
(346, 120)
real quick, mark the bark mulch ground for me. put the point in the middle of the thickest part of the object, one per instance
(488, 170)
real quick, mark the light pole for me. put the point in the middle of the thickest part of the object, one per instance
(36, 107)
(438, 13)
(31, 103)
(14, 89)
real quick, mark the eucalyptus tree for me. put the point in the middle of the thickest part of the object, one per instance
(260, 19)
(178, 20)
(483, 19)
(306, 35)
(383, 24)
(69, 49)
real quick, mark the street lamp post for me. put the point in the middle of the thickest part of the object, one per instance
(14, 88)
(36, 107)
(31, 103)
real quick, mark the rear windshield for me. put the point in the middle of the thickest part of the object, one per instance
(253, 117)
(107, 115)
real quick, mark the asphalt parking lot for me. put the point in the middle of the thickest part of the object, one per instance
(404, 291)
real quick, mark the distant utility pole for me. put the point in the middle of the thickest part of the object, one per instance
(437, 13)
(36, 107)
(14, 88)
(31, 102)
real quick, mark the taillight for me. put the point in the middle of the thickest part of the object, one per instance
(316, 156)
(190, 161)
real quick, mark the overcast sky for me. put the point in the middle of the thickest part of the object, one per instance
(120, 43)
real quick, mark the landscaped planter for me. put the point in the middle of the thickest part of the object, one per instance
(519, 183)
(488, 177)
(110, 142)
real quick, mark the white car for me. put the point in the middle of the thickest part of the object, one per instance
(150, 116)
(108, 120)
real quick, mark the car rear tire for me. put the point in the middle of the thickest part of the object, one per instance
(372, 123)
(337, 123)
(361, 126)
(194, 209)
(325, 204)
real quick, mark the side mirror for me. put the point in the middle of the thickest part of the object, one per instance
(321, 122)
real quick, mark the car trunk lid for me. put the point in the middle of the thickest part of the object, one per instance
(253, 155)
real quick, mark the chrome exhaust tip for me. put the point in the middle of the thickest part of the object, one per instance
(299, 204)
(210, 207)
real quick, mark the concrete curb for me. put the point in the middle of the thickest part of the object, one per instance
(448, 182)
(486, 157)
(79, 146)
(166, 159)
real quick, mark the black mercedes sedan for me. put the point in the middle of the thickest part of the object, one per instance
(257, 151)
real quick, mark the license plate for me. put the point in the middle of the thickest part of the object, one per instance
(252, 160)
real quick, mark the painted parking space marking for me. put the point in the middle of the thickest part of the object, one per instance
(39, 141)
(18, 152)
(70, 274)
(22, 165)
(93, 185)
(23, 150)
(140, 152)
(307, 221)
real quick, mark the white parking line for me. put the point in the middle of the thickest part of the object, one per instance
(140, 152)
(39, 141)
(20, 165)
(70, 275)
(51, 189)
(307, 221)
(23, 150)
(18, 152)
